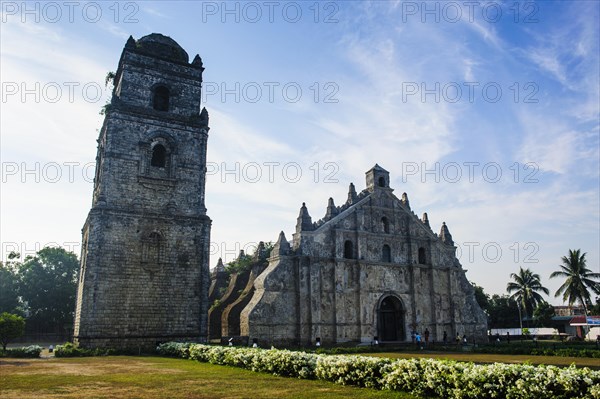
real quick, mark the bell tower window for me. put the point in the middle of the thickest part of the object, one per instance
(159, 156)
(160, 101)
(377, 178)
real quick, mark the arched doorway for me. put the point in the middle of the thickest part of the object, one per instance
(390, 319)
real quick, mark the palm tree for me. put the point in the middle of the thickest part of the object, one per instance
(525, 289)
(579, 279)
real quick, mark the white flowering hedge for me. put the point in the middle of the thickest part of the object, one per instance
(422, 377)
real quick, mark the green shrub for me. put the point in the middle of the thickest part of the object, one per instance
(542, 350)
(358, 349)
(71, 350)
(567, 352)
(32, 351)
(175, 349)
(11, 326)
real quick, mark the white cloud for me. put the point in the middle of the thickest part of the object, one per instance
(570, 53)
(556, 146)
(547, 59)
(154, 11)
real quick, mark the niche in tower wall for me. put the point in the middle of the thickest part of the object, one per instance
(153, 249)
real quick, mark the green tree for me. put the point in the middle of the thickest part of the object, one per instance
(525, 290)
(502, 312)
(239, 265)
(48, 287)
(269, 248)
(9, 285)
(482, 298)
(543, 314)
(579, 280)
(11, 326)
(595, 310)
(246, 262)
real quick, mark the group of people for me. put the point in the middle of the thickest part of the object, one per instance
(416, 338)
(496, 338)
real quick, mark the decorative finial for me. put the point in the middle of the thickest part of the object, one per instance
(425, 219)
(220, 267)
(260, 251)
(282, 246)
(130, 43)
(445, 235)
(332, 210)
(405, 201)
(304, 221)
(197, 62)
(204, 114)
(352, 197)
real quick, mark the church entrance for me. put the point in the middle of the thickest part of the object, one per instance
(390, 323)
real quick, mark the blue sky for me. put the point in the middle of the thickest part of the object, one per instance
(499, 101)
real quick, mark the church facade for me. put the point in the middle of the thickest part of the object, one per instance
(369, 270)
(144, 275)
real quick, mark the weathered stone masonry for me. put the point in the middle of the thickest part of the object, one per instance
(144, 274)
(370, 268)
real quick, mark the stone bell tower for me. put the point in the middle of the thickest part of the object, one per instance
(144, 274)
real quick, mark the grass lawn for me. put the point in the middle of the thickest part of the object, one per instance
(126, 377)
(495, 358)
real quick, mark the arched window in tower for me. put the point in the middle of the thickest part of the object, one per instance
(160, 101)
(386, 254)
(348, 250)
(159, 156)
(382, 181)
(422, 256)
(385, 224)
